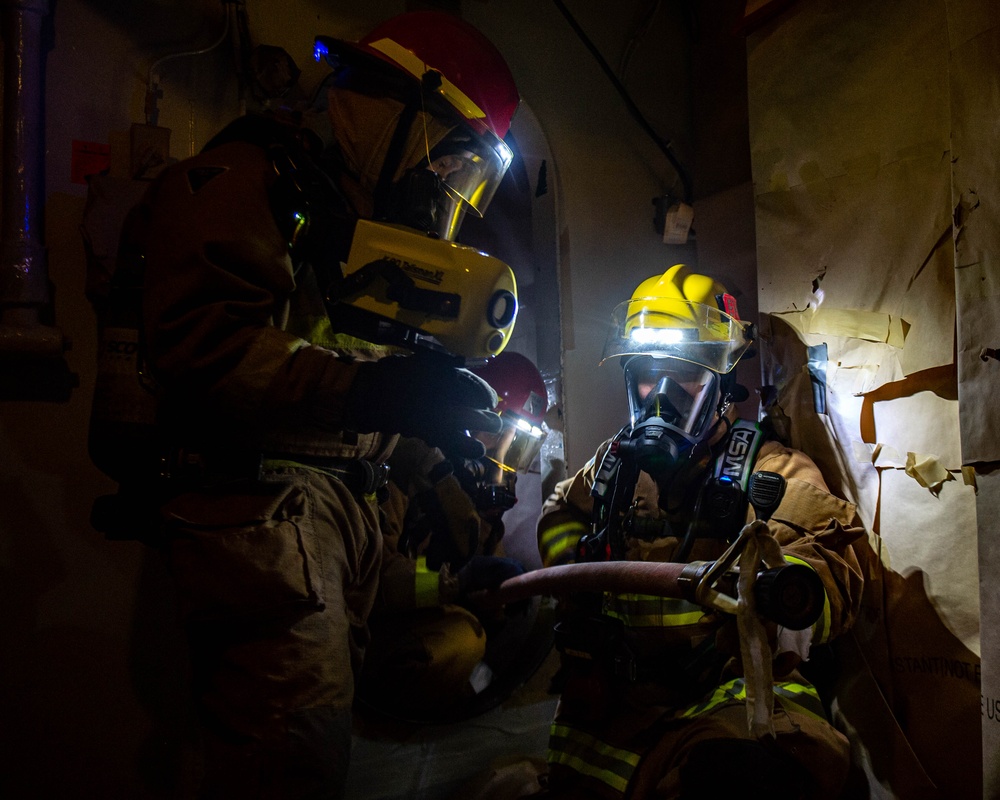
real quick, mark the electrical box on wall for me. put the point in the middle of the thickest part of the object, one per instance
(672, 219)
(677, 225)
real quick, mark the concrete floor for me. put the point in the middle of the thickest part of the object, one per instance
(493, 755)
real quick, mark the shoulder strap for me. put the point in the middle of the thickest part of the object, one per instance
(612, 491)
(735, 462)
(608, 467)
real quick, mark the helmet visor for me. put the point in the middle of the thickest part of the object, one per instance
(470, 162)
(470, 166)
(682, 394)
(678, 329)
(516, 446)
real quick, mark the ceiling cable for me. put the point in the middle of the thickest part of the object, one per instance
(153, 91)
(665, 146)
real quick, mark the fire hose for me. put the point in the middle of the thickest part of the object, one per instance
(790, 594)
(751, 580)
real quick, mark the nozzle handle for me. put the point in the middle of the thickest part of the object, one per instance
(792, 595)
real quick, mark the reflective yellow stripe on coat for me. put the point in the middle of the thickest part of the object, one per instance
(793, 697)
(821, 627)
(650, 611)
(588, 755)
(591, 757)
(558, 544)
(425, 585)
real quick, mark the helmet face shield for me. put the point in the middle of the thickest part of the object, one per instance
(523, 400)
(468, 166)
(516, 446)
(469, 177)
(677, 329)
(681, 394)
(443, 66)
(471, 166)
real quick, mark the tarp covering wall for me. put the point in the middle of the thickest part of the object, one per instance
(974, 29)
(852, 109)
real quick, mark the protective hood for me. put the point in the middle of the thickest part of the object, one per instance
(363, 126)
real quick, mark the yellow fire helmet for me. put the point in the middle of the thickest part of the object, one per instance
(683, 315)
(437, 293)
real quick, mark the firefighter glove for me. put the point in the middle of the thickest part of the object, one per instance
(425, 397)
(484, 573)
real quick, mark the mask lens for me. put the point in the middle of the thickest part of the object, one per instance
(417, 199)
(683, 395)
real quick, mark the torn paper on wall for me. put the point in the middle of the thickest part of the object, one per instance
(975, 82)
(921, 423)
(867, 343)
(852, 169)
(937, 535)
(851, 121)
(926, 470)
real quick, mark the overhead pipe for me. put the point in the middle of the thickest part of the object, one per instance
(31, 350)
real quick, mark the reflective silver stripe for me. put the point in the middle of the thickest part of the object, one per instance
(821, 627)
(557, 540)
(588, 755)
(800, 697)
(650, 611)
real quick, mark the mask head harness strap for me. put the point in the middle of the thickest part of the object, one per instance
(429, 84)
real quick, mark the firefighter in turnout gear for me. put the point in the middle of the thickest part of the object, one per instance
(434, 653)
(653, 691)
(276, 413)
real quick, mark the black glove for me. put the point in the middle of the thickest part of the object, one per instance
(488, 572)
(426, 397)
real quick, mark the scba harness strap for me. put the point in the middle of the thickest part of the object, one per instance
(726, 494)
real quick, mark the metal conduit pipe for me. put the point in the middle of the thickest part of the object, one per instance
(31, 365)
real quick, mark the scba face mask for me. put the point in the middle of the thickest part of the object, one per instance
(417, 201)
(672, 404)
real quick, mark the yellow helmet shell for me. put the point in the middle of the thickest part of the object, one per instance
(673, 295)
(678, 315)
